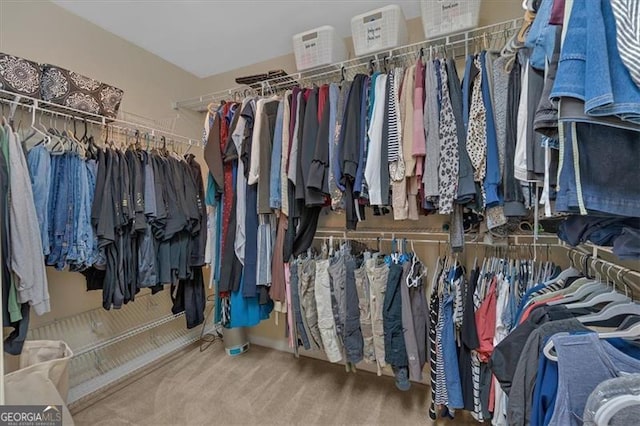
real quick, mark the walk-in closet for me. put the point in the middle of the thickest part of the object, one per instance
(320, 212)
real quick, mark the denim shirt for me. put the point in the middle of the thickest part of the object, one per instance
(541, 37)
(275, 194)
(39, 162)
(590, 51)
(492, 178)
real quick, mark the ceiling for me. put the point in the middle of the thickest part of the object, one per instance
(211, 37)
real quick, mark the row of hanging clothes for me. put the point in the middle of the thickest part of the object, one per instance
(392, 141)
(564, 142)
(471, 311)
(124, 213)
(411, 137)
(356, 304)
(576, 334)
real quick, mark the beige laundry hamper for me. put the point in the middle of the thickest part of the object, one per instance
(43, 377)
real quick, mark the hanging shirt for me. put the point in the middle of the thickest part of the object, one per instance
(27, 258)
(486, 322)
(286, 142)
(419, 142)
(407, 99)
(578, 354)
(374, 155)
(275, 189)
(238, 136)
(448, 165)
(477, 129)
(432, 130)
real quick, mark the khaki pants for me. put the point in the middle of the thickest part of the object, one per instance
(378, 276)
(364, 302)
(326, 321)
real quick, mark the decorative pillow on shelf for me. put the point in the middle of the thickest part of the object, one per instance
(20, 76)
(76, 91)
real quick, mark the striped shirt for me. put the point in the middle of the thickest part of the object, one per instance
(394, 139)
(627, 16)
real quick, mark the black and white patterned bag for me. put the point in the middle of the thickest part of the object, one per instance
(20, 76)
(76, 91)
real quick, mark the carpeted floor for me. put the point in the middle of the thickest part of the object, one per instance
(261, 387)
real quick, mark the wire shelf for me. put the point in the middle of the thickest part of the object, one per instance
(109, 345)
(96, 328)
(453, 45)
(126, 121)
(96, 370)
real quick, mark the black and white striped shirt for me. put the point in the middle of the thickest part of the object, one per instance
(627, 16)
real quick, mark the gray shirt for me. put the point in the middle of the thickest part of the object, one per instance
(27, 258)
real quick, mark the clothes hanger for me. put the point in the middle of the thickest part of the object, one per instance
(548, 349)
(108, 142)
(580, 288)
(163, 149)
(632, 333)
(76, 146)
(613, 406)
(59, 146)
(581, 293)
(630, 308)
(371, 67)
(331, 252)
(599, 298)
(46, 137)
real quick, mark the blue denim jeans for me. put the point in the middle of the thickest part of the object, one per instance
(395, 351)
(627, 245)
(39, 163)
(590, 68)
(606, 179)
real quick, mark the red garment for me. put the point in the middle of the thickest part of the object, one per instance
(486, 323)
(323, 97)
(227, 198)
(557, 13)
(227, 195)
(527, 311)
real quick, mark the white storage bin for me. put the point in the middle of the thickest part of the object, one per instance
(317, 47)
(379, 29)
(441, 17)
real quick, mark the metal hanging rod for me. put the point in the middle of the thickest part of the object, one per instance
(46, 107)
(584, 260)
(513, 239)
(462, 41)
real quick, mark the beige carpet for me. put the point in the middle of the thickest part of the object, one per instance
(261, 387)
